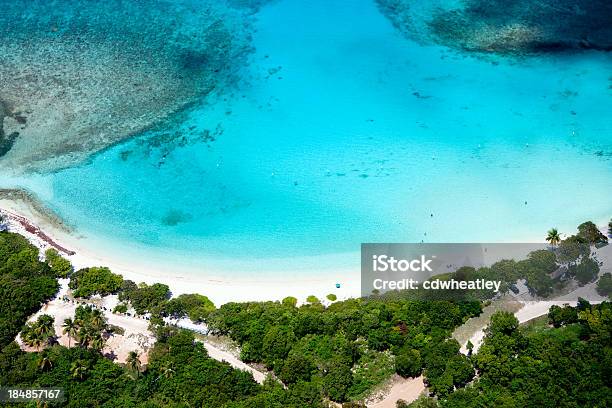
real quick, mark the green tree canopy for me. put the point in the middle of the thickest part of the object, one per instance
(408, 363)
(25, 284)
(312, 299)
(197, 307)
(144, 298)
(94, 281)
(337, 381)
(591, 234)
(289, 301)
(59, 265)
(571, 249)
(604, 285)
(586, 271)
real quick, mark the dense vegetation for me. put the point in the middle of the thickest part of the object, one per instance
(39, 333)
(329, 347)
(59, 265)
(320, 361)
(25, 284)
(569, 365)
(179, 374)
(94, 281)
(144, 297)
(547, 272)
(154, 299)
(196, 307)
(338, 353)
(604, 285)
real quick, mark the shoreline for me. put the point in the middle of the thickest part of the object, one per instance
(46, 230)
(43, 232)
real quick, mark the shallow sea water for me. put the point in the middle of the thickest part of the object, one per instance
(341, 132)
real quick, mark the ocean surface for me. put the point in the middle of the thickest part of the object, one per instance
(342, 131)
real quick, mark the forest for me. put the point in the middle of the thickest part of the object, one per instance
(316, 353)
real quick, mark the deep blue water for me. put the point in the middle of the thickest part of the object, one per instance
(342, 131)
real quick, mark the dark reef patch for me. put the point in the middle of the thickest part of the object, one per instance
(90, 74)
(7, 139)
(507, 27)
(174, 217)
(252, 5)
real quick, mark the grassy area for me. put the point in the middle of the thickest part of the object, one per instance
(537, 325)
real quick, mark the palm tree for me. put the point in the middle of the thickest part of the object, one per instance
(133, 362)
(553, 237)
(97, 319)
(78, 369)
(44, 326)
(33, 338)
(69, 328)
(84, 337)
(166, 371)
(44, 362)
(97, 342)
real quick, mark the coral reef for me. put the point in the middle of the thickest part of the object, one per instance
(7, 140)
(508, 27)
(76, 77)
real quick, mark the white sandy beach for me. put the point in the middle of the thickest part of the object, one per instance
(210, 283)
(215, 284)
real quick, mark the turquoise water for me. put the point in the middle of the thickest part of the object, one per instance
(342, 131)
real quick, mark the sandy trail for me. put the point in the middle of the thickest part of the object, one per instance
(532, 309)
(405, 389)
(221, 355)
(136, 337)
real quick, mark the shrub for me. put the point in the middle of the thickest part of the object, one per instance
(120, 308)
(59, 265)
(144, 298)
(604, 285)
(289, 301)
(94, 281)
(197, 307)
(408, 363)
(312, 299)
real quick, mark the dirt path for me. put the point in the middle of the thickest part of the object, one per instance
(406, 389)
(473, 329)
(136, 335)
(221, 355)
(532, 309)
